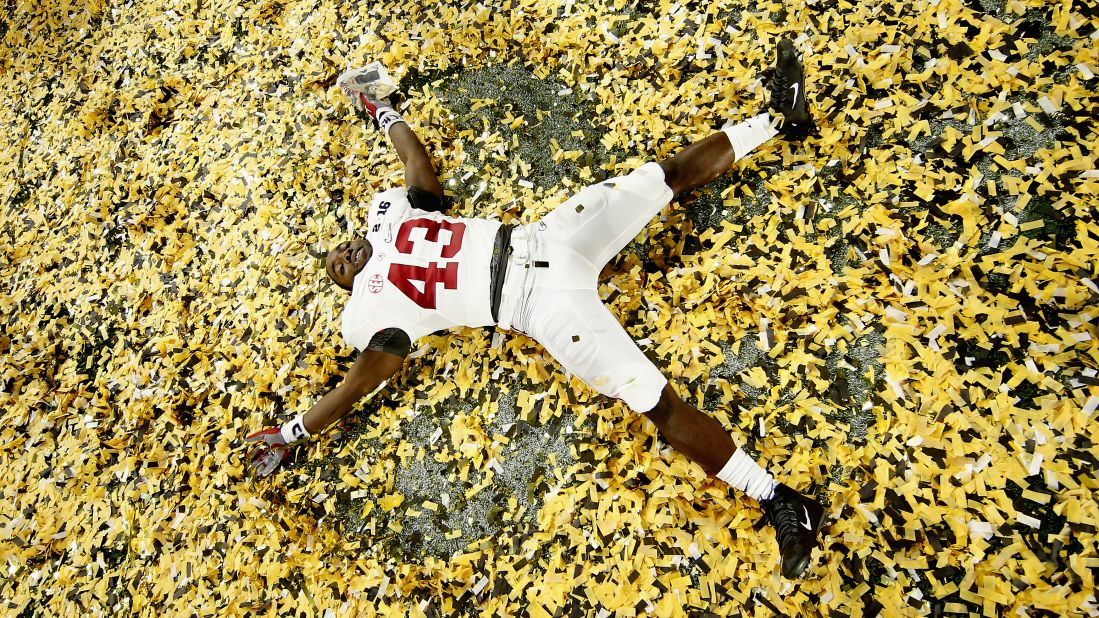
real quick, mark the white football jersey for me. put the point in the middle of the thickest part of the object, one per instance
(428, 272)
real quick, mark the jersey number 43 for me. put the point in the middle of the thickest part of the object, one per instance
(431, 276)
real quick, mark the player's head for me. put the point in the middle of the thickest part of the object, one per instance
(346, 259)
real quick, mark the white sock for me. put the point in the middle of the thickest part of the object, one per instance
(748, 135)
(746, 475)
(295, 430)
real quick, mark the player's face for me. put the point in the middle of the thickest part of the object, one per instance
(345, 261)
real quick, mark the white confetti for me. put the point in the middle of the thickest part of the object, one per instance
(895, 314)
(1090, 405)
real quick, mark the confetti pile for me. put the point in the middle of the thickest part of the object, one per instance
(898, 316)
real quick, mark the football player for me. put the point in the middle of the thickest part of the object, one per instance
(418, 271)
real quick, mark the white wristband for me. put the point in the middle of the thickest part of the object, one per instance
(387, 117)
(295, 430)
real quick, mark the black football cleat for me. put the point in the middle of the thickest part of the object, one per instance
(787, 85)
(797, 521)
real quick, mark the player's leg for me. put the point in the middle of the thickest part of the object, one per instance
(600, 220)
(702, 162)
(796, 518)
(578, 330)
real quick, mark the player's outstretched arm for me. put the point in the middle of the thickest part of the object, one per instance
(367, 372)
(368, 88)
(418, 169)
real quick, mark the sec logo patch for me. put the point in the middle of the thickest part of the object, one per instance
(375, 284)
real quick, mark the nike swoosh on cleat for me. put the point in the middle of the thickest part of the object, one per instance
(806, 523)
(795, 87)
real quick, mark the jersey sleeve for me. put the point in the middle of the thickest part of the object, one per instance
(358, 338)
(426, 201)
(391, 341)
(363, 333)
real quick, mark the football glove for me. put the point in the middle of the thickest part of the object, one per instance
(368, 88)
(276, 443)
(273, 452)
